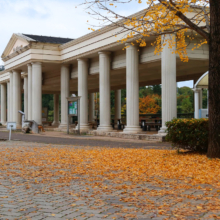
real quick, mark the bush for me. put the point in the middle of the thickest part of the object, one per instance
(191, 134)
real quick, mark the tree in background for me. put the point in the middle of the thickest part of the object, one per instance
(123, 108)
(186, 106)
(123, 101)
(47, 101)
(185, 100)
(149, 90)
(149, 104)
(204, 99)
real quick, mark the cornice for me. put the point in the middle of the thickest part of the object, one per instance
(107, 28)
(26, 63)
(3, 72)
(17, 52)
(100, 49)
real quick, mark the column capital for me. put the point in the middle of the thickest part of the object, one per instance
(197, 89)
(131, 44)
(104, 52)
(37, 63)
(83, 59)
(16, 71)
(166, 36)
(29, 64)
(23, 74)
(65, 65)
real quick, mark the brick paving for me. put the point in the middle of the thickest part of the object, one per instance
(21, 198)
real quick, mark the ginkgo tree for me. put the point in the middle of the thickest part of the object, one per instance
(188, 20)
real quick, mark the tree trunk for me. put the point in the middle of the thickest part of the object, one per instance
(214, 81)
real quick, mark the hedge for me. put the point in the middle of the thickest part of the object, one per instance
(189, 134)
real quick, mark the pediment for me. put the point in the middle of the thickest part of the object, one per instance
(16, 42)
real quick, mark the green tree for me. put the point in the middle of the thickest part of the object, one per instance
(157, 89)
(47, 101)
(186, 106)
(204, 98)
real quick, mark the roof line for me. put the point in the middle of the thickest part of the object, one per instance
(201, 78)
(25, 37)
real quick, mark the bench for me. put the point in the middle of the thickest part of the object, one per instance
(47, 122)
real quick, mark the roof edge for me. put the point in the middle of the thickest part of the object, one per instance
(206, 73)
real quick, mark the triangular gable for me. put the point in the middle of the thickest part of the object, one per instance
(16, 42)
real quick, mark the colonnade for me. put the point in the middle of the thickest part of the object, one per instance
(33, 92)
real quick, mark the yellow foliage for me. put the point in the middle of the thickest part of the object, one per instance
(127, 169)
(159, 20)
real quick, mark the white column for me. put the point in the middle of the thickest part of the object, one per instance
(3, 103)
(83, 92)
(30, 100)
(200, 99)
(37, 92)
(132, 89)
(196, 102)
(117, 105)
(11, 98)
(8, 101)
(104, 91)
(168, 79)
(56, 110)
(26, 97)
(91, 107)
(64, 94)
(17, 98)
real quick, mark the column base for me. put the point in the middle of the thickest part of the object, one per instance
(104, 128)
(4, 123)
(18, 126)
(132, 129)
(162, 130)
(62, 126)
(83, 128)
(55, 123)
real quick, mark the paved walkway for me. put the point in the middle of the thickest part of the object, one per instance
(85, 140)
(54, 181)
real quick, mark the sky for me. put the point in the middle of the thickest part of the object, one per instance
(59, 18)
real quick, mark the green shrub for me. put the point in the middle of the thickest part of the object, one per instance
(189, 134)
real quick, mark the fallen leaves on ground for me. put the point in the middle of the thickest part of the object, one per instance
(129, 172)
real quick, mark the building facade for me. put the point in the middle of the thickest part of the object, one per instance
(96, 62)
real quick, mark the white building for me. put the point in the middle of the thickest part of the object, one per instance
(36, 65)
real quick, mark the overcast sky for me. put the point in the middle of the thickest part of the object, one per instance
(59, 18)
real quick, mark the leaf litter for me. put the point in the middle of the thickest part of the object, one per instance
(161, 182)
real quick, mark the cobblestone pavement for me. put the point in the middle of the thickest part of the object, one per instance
(21, 198)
